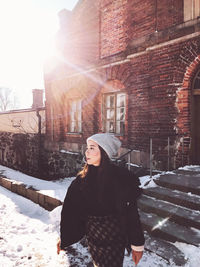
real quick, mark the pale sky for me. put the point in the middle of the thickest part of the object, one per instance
(27, 30)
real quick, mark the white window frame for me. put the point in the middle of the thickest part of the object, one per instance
(75, 116)
(114, 114)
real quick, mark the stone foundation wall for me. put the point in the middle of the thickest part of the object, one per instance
(26, 153)
(57, 164)
(20, 151)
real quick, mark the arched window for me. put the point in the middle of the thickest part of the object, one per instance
(114, 104)
(75, 116)
(72, 111)
(114, 107)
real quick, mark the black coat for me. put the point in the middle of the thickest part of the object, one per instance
(125, 191)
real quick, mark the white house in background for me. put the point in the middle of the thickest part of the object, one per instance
(30, 120)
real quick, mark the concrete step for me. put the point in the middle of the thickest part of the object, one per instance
(181, 182)
(163, 228)
(161, 248)
(175, 213)
(187, 200)
(187, 172)
(165, 249)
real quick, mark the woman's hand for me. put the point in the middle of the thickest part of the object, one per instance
(58, 247)
(136, 255)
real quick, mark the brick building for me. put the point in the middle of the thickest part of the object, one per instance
(132, 68)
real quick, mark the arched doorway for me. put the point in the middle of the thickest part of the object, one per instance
(195, 145)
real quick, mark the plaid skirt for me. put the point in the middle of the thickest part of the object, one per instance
(106, 243)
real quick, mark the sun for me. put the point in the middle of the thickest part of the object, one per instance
(27, 40)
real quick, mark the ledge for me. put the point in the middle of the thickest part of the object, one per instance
(158, 37)
(45, 201)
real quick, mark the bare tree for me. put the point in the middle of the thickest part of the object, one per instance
(8, 100)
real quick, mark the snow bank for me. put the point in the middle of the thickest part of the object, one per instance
(56, 189)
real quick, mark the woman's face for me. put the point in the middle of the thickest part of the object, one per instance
(93, 153)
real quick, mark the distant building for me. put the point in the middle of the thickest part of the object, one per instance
(25, 120)
(131, 68)
(21, 133)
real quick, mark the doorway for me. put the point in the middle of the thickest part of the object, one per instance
(195, 145)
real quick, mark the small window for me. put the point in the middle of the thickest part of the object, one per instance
(191, 9)
(75, 116)
(114, 110)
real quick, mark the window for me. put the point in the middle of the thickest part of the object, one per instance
(114, 110)
(75, 116)
(196, 84)
(197, 81)
(191, 9)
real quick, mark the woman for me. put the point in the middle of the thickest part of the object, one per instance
(101, 205)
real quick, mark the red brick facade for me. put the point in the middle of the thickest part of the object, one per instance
(147, 52)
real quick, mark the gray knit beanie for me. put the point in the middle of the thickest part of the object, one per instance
(108, 142)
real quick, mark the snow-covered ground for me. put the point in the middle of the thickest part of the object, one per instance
(55, 189)
(28, 233)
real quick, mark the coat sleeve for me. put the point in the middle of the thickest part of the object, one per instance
(135, 231)
(72, 225)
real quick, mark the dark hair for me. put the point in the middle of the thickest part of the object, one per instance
(105, 161)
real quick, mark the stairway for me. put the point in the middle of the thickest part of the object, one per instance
(171, 210)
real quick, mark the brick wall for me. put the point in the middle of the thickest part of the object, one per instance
(113, 27)
(151, 16)
(143, 47)
(168, 13)
(155, 100)
(80, 41)
(101, 28)
(187, 66)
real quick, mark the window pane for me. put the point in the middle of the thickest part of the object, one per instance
(79, 119)
(191, 9)
(79, 126)
(110, 114)
(120, 127)
(114, 112)
(188, 7)
(110, 126)
(75, 116)
(197, 83)
(72, 126)
(121, 114)
(121, 100)
(110, 101)
(72, 115)
(196, 8)
(79, 115)
(73, 106)
(79, 105)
